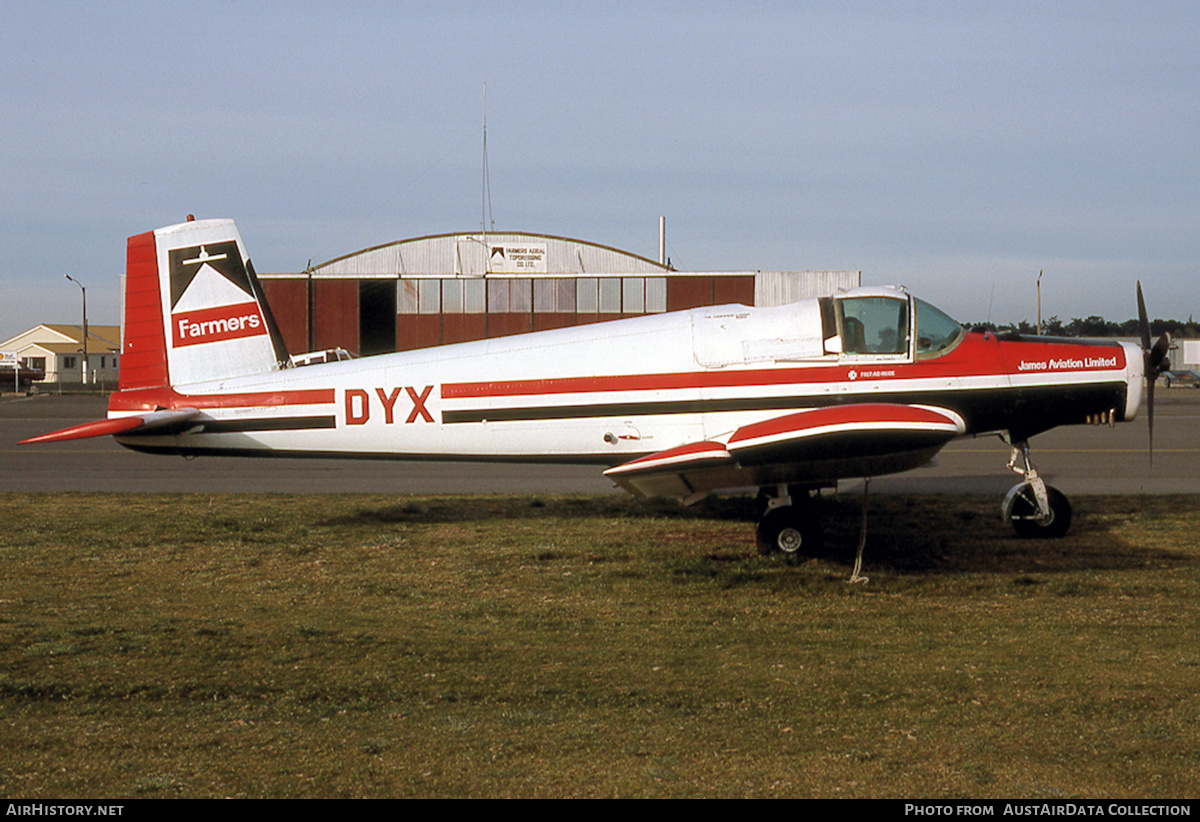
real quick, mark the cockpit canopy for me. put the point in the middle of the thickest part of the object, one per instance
(890, 323)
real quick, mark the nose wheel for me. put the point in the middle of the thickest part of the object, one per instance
(1021, 509)
(1035, 509)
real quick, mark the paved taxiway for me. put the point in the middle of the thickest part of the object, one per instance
(1077, 459)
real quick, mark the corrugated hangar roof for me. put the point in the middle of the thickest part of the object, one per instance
(477, 254)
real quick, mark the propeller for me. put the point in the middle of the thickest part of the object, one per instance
(1155, 362)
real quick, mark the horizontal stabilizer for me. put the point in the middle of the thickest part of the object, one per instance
(155, 422)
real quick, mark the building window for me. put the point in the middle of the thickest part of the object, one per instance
(452, 296)
(520, 296)
(510, 296)
(475, 296)
(566, 295)
(634, 295)
(656, 295)
(544, 296)
(610, 295)
(497, 296)
(406, 296)
(554, 296)
(429, 294)
(69, 362)
(587, 295)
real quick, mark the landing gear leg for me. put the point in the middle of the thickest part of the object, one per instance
(791, 524)
(1034, 508)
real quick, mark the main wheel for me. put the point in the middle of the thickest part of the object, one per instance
(789, 530)
(1021, 509)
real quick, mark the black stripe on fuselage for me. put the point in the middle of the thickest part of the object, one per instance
(1029, 409)
(275, 424)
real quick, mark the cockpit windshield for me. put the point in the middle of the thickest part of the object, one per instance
(874, 325)
(880, 325)
(935, 331)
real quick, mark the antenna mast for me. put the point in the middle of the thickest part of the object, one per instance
(486, 196)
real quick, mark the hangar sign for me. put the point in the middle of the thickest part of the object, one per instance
(524, 258)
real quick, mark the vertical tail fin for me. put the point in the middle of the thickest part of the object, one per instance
(193, 309)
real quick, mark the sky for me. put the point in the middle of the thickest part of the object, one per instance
(958, 148)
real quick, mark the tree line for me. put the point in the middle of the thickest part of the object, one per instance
(1095, 326)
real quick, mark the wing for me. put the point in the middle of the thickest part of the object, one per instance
(817, 446)
(154, 422)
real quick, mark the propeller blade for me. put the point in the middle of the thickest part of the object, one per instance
(1151, 378)
(1158, 354)
(1149, 369)
(1143, 323)
(1154, 362)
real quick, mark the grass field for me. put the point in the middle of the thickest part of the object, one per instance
(330, 646)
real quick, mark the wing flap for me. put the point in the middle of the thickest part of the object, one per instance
(665, 473)
(673, 459)
(154, 422)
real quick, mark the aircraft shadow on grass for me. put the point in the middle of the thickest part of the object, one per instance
(938, 534)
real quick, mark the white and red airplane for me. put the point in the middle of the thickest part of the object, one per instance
(787, 399)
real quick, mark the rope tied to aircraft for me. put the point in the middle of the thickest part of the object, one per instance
(855, 577)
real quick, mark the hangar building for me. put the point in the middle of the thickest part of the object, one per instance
(452, 288)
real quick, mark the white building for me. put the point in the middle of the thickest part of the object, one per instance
(58, 351)
(1189, 355)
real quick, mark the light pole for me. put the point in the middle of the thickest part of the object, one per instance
(83, 291)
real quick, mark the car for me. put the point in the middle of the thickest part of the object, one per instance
(1182, 379)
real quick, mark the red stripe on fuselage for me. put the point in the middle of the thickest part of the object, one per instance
(977, 356)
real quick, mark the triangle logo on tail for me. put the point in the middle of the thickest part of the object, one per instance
(211, 296)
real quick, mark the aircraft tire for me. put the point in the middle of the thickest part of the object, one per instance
(788, 530)
(1020, 508)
